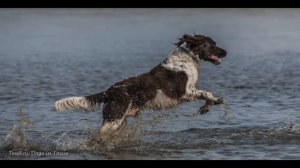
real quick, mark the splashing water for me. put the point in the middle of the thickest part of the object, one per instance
(226, 108)
(126, 136)
(20, 140)
(16, 138)
(133, 138)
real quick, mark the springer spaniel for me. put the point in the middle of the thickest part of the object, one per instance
(167, 85)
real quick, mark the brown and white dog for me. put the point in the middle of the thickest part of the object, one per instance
(170, 83)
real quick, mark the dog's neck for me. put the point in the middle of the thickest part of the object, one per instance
(190, 53)
(181, 58)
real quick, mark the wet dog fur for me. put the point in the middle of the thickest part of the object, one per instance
(170, 83)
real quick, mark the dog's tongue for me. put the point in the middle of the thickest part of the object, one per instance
(215, 59)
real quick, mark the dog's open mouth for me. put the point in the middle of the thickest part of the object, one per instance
(214, 59)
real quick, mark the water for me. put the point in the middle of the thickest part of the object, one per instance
(48, 54)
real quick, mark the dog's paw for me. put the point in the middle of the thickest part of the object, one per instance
(219, 101)
(204, 109)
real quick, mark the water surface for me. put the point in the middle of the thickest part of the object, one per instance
(48, 54)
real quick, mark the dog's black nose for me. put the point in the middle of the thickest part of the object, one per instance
(224, 53)
(220, 52)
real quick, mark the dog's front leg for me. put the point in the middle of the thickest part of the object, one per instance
(196, 94)
(210, 100)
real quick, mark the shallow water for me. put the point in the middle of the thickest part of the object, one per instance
(48, 54)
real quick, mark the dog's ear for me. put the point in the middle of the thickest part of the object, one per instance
(191, 40)
(200, 37)
(181, 40)
(179, 43)
(186, 36)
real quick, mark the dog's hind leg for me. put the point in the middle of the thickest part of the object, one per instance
(114, 114)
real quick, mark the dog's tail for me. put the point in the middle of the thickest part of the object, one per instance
(84, 103)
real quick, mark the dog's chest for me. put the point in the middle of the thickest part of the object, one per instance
(182, 62)
(192, 73)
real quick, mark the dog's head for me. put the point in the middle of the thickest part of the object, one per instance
(203, 47)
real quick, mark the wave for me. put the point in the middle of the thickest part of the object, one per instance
(134, 139)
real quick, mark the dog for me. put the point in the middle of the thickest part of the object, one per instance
(170, 83)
